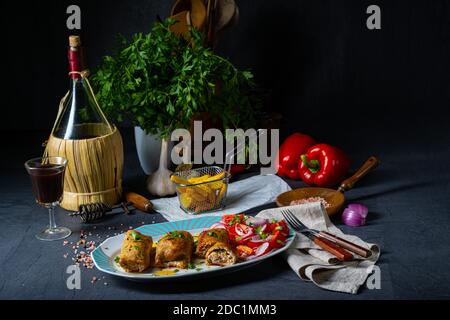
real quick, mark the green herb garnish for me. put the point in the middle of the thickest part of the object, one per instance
(176, 234)
(263, 235)
(280, 242)
(117, 259)
(235, 219)
(136, 248)
(136, 236)
(279, 228)
(191, 265)
(213, 234)
(176, 270)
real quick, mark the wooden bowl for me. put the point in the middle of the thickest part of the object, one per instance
(335, 198)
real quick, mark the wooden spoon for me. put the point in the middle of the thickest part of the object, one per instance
(181, 27)
(335, 198)
(226, 9)
(196, 9)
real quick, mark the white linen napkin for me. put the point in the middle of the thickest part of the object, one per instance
(311, 263)
(241, 195)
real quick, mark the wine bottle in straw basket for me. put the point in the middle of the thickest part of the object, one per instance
(83, 135)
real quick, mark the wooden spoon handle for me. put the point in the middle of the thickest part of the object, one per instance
(369, 165)
(353, 247)
(138, 201)
(338, 252)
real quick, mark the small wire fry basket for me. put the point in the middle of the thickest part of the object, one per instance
(208, 194)
(205, 189)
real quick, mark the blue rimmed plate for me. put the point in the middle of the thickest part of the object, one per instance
(105, 254)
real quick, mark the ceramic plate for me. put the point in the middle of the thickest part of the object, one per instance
(105, 254)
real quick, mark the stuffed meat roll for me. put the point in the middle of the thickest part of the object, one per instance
(220, 254)
(174, 250)
(135, 253)
(208, 238)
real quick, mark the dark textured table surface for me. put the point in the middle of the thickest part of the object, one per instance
(408, 198)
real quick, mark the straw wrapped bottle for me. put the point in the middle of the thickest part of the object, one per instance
(83, 135)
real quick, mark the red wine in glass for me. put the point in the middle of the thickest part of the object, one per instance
(47, 180)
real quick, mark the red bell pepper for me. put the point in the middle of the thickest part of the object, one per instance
(323, 165)
(289, 154)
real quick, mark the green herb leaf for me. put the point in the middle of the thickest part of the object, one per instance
(159, 81)
(213, 234)
(136, 236)
(176, 234)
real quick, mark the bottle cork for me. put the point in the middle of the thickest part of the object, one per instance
(74, 41)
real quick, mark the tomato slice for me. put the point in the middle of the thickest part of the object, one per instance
(281, 227)
(278, 240)
(231, 219)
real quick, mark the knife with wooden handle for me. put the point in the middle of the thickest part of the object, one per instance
(340, 253)
(363, 252)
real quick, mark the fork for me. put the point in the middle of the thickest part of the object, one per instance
(340, 253)
(297, 225)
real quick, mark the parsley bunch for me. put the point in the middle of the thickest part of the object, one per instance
(160, 81)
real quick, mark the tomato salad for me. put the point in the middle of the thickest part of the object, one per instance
(253, 236)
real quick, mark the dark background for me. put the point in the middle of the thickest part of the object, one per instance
(328, 74)
(383, 92)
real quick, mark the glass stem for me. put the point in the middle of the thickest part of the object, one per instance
(51, 215)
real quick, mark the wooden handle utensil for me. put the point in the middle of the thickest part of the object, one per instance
(138, 201)
(340, 253)
(370, 164)
(363, 252)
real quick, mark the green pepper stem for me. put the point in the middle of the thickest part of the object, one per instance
(313, 165)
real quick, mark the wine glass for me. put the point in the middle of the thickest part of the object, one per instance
(47, 179)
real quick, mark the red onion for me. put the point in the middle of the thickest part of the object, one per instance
(218, 225)
(243, 233)
(262, 249)
(256, 238)
(355, 215)
(359, 208)
(256, 222)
